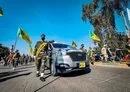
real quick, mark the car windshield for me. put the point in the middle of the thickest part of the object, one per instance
(62, 46)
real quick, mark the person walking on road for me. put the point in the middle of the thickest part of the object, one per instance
(10, 59)
(91, 55)
(104, 53)
(82, 48)
(16, 57)
(40, 53)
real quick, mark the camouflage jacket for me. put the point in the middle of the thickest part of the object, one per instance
(38, 45)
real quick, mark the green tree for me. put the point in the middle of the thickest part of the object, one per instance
(4, 50)
(101, 14)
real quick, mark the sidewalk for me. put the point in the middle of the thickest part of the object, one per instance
(120, 64)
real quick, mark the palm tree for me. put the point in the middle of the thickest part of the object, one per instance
(101, 14)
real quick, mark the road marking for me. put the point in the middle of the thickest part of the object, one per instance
(110, 79)
(90, 78)
(47, 84)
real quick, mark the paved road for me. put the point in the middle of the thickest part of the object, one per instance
(100, 79)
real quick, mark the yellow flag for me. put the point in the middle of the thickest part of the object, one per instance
(41, 47)
(94, 37)
(74, 44)
(1, 12)
(23, 35)
(30, 49)
(128, 50)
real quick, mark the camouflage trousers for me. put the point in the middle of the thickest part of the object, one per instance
(15, 62)
(40, 64)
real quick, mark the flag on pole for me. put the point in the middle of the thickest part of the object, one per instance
(128, 12)
(23, 35)
(30, 49)
(1, 12)
(94, 37)
(74, 44)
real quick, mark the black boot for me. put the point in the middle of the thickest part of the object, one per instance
(42, 78)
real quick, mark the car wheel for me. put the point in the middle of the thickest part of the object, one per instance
(87, 70)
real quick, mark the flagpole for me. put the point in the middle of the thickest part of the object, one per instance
(15, 43)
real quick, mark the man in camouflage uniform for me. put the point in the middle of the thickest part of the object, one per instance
(82, 48)
(41, 57)
(16, 57)
(91, 55)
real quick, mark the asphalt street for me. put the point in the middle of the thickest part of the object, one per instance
(100, 79)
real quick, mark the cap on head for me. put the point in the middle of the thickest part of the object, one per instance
(90, 48)
(16, 50)
(82, 45)
(43, 35)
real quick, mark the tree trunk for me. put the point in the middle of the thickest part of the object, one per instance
(126, 25)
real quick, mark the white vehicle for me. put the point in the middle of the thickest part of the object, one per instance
(65, 58)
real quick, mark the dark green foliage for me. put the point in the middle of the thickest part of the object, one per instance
(4, 51)
(101, 14)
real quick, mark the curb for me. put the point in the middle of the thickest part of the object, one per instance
(113, 64)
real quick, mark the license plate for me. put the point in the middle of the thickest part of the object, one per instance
(82, 65)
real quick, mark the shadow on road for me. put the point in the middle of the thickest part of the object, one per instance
(5, 67)
(19, 67)
(76, 73)
(72, 74)
(47, 76)
(25, 67)
(14, 76)
(46, 84)
(4, 74)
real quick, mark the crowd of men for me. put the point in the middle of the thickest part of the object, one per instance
(15, 59)
(105, 54)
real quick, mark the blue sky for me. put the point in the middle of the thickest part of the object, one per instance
(58, 19)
